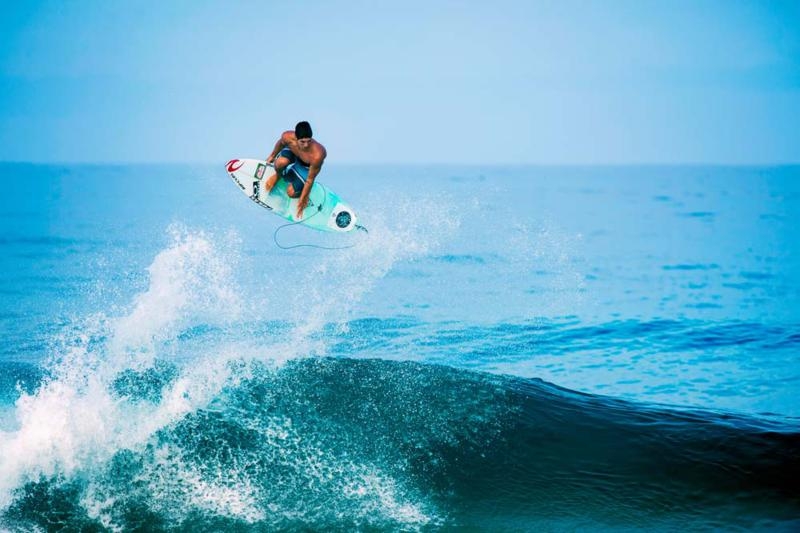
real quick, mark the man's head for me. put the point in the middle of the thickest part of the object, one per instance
(303, 130)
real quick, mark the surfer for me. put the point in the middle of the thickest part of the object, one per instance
(298, 159)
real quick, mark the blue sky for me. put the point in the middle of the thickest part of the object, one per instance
(542, 82)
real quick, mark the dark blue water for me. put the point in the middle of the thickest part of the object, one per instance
(507, 349)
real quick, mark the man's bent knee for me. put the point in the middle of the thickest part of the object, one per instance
(292, 193)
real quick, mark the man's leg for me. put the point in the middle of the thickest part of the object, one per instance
(294, 186)
(280, 165)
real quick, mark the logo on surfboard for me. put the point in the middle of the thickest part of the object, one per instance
(343, 219)
(234, 165)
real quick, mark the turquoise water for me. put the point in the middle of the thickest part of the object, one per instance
(529, 348)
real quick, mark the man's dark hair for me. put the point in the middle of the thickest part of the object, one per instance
(303, 130)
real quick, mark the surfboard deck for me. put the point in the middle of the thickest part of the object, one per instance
(325, 210)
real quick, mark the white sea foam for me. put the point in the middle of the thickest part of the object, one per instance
(74, 422)
(190, 282)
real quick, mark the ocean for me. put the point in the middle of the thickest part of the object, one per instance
(506, 349)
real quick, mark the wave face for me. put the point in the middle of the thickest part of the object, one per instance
(342, 444)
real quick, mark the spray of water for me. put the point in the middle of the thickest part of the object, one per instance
(77, 423)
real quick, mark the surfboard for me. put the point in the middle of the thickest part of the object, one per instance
(325, 210)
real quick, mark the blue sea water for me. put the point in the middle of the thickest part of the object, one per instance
(508, 348)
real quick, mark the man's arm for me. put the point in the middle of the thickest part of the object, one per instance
(313, 170)
(278, 147)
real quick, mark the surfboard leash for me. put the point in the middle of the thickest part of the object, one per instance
(282, 247)
(319, 209)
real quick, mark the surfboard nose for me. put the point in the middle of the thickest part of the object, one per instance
(234, 165)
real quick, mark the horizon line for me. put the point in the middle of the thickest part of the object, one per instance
(421, 164)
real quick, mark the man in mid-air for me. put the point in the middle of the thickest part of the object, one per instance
(298, 159)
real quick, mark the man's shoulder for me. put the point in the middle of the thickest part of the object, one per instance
(319, 155)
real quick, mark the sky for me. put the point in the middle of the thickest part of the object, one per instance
(417, 82)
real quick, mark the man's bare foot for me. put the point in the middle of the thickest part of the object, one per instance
(270, 183)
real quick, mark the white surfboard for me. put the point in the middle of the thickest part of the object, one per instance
(325, 210)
